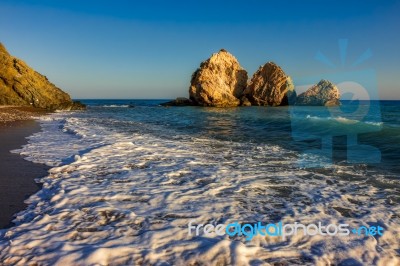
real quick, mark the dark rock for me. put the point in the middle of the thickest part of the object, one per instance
(180, 101)
(290, 98)
(77, 105)
(244, 101)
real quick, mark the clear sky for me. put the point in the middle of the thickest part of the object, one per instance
(148, 49)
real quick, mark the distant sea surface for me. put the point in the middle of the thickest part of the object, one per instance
(129, 175)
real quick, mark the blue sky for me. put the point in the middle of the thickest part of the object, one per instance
(124, 49)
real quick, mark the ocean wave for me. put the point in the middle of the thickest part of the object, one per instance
(374, 123)
(116, 105)
(343, 120)
(124, 199)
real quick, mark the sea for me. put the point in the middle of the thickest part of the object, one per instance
(129, 178)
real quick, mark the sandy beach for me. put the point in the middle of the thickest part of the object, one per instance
(17, 175)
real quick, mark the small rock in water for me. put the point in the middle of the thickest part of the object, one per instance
(325, 93)
(180, 101)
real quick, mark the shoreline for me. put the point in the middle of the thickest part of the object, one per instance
(17, 175)
(10, 114)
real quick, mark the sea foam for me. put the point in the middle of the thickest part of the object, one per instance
(126, 198)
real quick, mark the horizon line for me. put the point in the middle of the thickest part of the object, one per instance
(166, 99)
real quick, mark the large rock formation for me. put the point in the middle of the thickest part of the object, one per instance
(270, 86)
(325, 93)
(21, 85)
(220, 81)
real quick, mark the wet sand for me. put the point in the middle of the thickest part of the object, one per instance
(16, 174)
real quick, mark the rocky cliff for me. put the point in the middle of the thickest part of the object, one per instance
(270, 86)
(21, 85)
(220, 81)
(325, 93)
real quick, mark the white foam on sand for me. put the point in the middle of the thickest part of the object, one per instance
(126, 199)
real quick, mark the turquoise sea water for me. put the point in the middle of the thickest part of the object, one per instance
(298, 128)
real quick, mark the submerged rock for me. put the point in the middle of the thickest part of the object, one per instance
(270, 86)
(180, 101)
(325, 93)
(220, 81)
(244, 101)
(22, 86)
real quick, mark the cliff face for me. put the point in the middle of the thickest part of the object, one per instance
(21, 85)
(325, 93)
(270, 86)
(220, 81)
